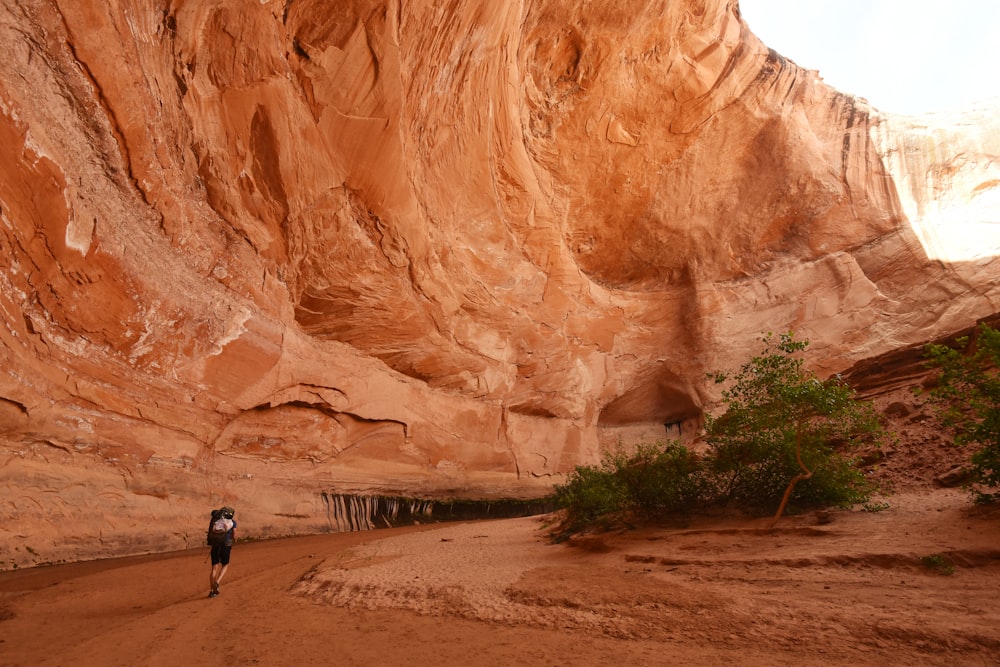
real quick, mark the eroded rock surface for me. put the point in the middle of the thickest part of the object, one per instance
(258, 251)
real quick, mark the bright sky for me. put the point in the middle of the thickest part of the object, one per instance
(903, 56)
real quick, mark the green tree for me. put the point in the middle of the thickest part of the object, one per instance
(786, 436)
(968, 399)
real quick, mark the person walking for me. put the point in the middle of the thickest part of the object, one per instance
(221, 534)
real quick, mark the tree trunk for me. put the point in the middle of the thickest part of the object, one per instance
(806, 474)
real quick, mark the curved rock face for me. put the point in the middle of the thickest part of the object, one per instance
(258, 252)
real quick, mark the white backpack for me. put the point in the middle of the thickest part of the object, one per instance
(218, 528)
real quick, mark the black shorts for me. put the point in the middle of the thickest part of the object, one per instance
(220, 554)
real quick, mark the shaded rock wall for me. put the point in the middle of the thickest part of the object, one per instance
(259, 251)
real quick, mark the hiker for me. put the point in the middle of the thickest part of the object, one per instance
(221, 533)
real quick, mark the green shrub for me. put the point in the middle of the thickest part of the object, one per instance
(782, 425)
(938, 563)
(649, 480)
(589, 494)
(660, 479)
(968, 399)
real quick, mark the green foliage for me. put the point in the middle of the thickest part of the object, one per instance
(651, 479)
(591, 493)
(872, 506)
(968, 399)
(776, 410)
(938, 563)
(659, 479)
(776, 413)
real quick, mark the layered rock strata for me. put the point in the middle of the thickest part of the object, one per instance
(258, 252)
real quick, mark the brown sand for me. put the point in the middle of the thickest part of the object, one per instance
(854, 591)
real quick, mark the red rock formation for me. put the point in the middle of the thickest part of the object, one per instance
(255, 251)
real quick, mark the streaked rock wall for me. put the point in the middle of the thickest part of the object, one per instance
(257, 251)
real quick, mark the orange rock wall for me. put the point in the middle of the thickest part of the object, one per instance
(258, 251)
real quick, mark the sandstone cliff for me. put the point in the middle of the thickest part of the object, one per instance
(256, 252)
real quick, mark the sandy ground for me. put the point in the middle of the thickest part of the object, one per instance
(917, 584)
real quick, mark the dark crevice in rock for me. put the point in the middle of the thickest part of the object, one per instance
(348, 512)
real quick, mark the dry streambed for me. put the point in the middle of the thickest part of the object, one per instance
(919, 577)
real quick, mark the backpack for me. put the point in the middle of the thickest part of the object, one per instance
(220, 525)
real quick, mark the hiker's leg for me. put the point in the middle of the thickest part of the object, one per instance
(213, 579)
(223, 563)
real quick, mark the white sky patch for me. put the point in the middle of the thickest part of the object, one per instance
(903, 56)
